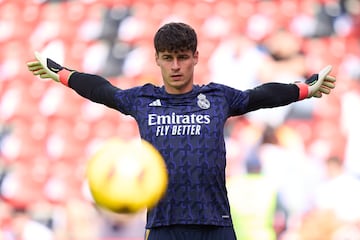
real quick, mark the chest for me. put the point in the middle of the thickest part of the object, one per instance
(188, 116)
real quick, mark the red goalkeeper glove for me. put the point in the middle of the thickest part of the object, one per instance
(317, 84)
(46, 68)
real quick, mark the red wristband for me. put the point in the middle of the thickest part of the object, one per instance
(64, 76)
(303, 90)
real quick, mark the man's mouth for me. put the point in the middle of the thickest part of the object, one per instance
(176, 76)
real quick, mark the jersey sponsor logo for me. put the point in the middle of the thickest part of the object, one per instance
(178, 124)
(173, 118)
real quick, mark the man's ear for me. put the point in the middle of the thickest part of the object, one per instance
(196, 57)
(157, 58)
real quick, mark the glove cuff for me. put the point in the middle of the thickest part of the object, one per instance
(64, 76)
(303, 90)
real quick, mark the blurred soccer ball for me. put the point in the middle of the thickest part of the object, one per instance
(126, 177)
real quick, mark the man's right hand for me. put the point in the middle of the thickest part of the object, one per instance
(46, 68)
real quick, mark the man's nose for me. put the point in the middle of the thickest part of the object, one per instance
(175, 64)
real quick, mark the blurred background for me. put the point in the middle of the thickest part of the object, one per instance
(293, 171)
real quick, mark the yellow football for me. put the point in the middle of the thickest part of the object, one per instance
(126, 177)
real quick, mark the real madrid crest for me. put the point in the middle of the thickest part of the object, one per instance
(203, 102)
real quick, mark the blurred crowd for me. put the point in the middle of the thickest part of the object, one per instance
(294, 171)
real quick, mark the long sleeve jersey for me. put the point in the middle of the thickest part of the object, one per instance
(188, 130)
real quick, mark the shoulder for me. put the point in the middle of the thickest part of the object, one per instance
(146, 89)
(217, 87)
(150, 88)
(220, 86)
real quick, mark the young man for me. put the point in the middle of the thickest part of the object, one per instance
(185, 123)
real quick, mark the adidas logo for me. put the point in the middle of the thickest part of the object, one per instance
(156, 103)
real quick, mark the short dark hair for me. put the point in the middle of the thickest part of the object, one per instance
(175, 36)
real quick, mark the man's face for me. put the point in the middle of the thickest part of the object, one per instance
(177, 69)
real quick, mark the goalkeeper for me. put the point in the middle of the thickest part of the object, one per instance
(185, 122)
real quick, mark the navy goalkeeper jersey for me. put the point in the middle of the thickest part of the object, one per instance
(187, 129)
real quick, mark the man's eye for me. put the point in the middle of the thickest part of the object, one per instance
(183, 57)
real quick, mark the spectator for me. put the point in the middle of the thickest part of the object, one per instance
(255, 205)
(340, 192)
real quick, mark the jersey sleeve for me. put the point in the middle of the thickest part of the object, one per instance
(267, 95)
(100, 90)
(271, 95)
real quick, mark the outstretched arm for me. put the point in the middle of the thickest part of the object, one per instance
(272, 94)
(92, 87)
(277, 94)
